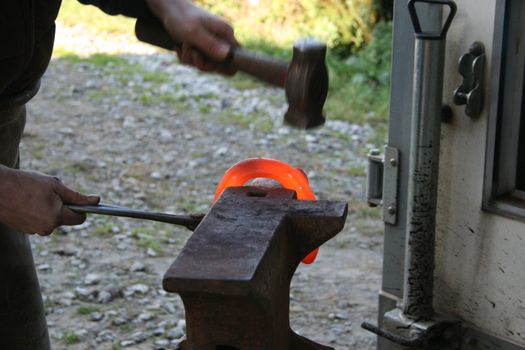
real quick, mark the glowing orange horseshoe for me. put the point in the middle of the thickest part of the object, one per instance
(288, 176)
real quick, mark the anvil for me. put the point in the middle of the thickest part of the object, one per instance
(234, 273)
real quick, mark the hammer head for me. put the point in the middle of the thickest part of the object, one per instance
(306, 84)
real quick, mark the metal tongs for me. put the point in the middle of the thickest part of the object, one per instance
(189, 221)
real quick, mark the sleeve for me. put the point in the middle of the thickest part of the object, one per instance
(129, 8)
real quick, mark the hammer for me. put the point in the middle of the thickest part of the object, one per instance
(305, 78)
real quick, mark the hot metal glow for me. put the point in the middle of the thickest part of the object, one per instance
(288, 176)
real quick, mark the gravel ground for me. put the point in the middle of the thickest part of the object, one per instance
(145, 132)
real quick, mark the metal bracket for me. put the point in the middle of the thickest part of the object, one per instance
(374, 187)
(470, 92)
(391, 168)
(382, 178)
(436, 334)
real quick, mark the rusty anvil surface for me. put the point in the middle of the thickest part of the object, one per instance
(234, 273)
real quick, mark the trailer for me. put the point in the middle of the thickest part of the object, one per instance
(451, 179)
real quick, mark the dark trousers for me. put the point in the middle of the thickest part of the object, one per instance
(22, 319)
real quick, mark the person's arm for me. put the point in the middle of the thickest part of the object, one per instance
(31, 202)
(205, 38)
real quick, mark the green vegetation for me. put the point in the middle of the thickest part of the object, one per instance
(72, 14)
(149, 238)
(87, 309)
(70, 338)
(364, 212)
(341, 24)
(359, 83)
(126, 327)
(368, 227)
(98, 59)
(50, 303)
(105, 228)
(357, 171)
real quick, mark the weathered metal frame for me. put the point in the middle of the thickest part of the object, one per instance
(399, 129)
(499, 193)
(399, 137)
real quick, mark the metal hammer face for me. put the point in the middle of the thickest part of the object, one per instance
(305, 79)
(307, 84)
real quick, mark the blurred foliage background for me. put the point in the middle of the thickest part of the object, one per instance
(357, 32)
(341, 24)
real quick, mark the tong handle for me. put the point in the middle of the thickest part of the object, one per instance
(189, 221)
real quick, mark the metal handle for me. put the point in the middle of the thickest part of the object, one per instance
(423, 170)
(189, 221)
(270, 70)
(417, 26)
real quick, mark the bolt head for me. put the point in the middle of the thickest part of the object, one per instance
(393, 162)
(391, 209)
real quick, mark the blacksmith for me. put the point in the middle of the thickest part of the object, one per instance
(34, 203)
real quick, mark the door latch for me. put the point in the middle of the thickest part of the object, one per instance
(470, 92)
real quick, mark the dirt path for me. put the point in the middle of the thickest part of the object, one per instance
(144, 132)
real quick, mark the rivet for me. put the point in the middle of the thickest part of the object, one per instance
(393, 162)
(391, 209)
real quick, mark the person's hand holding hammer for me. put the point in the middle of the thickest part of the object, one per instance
(205, 38)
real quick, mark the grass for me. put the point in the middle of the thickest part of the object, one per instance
(87, 309)
(126, 327)
(98, 59)
(357, 170)
(50, 303)
(368, 227)
(149, 238)
(39, 151)
(72, 13)
(105, 228)
(70, 339)
(363, 211)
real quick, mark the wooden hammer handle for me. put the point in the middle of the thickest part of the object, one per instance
(270, 70)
